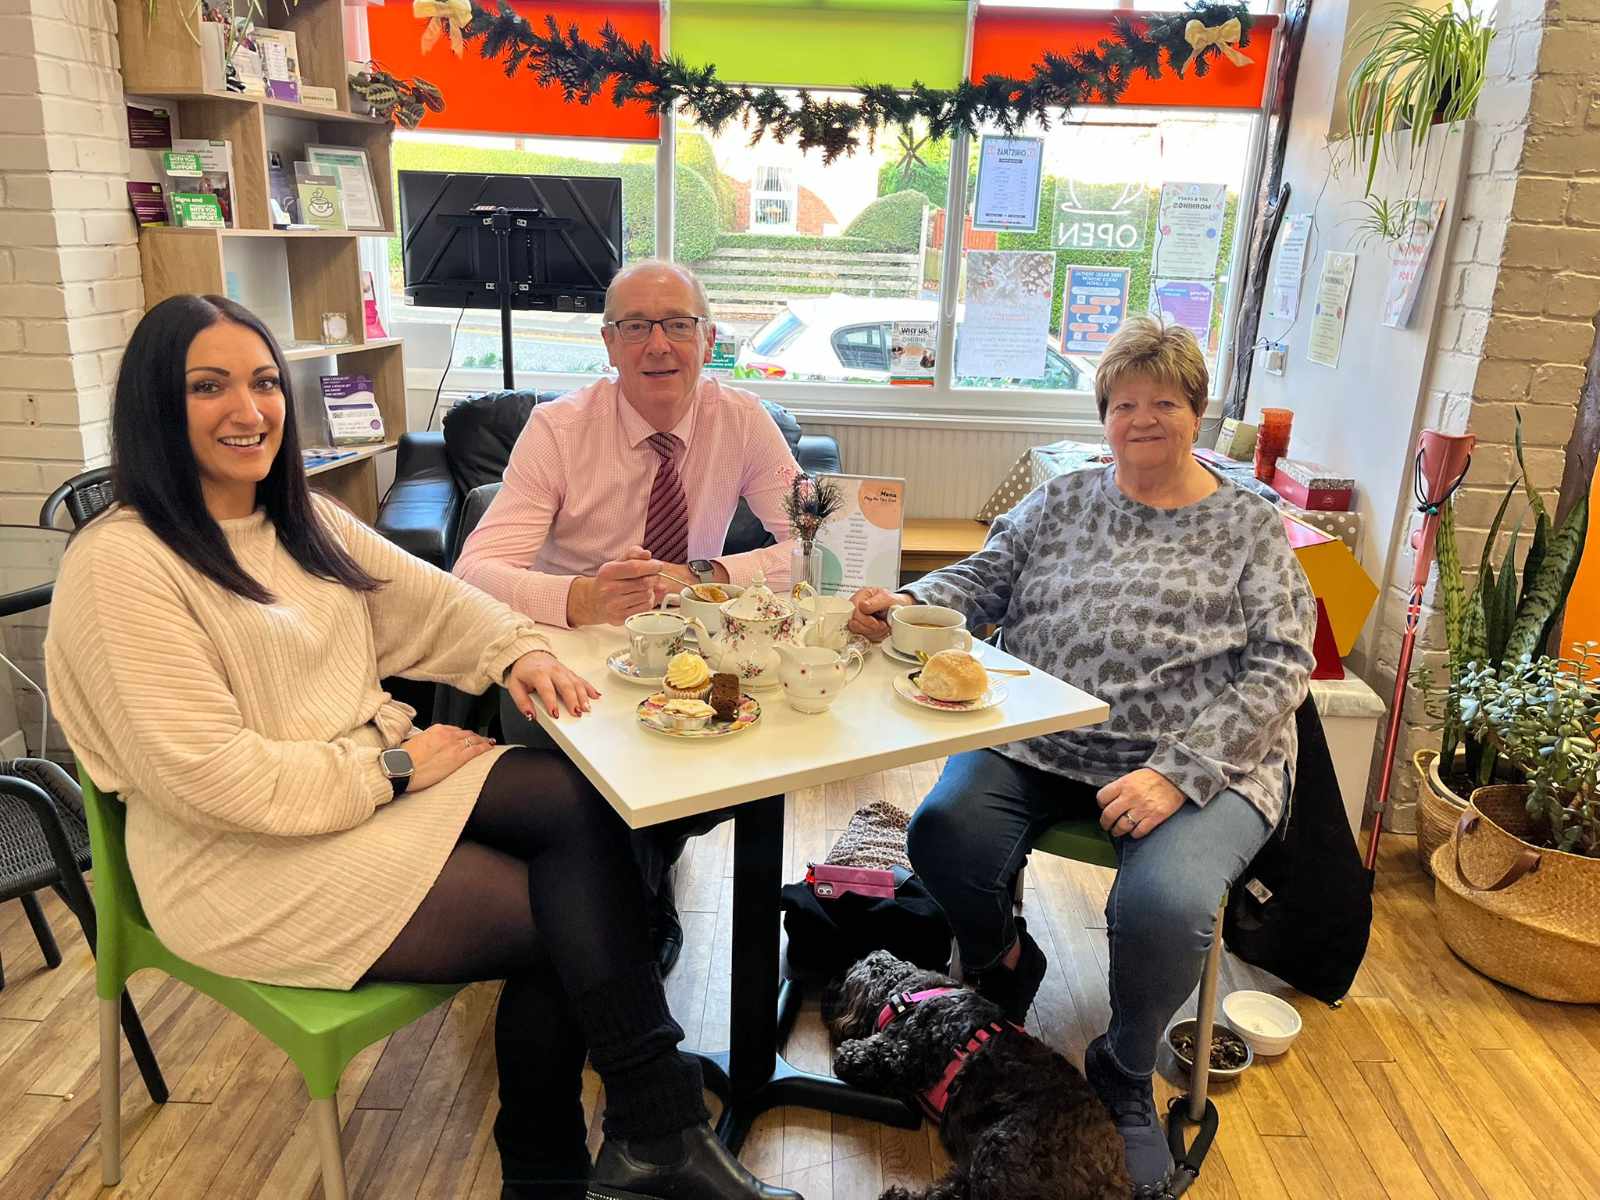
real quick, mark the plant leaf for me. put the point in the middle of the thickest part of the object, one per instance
(1548, 592)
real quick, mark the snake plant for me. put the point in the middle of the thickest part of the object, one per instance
(1497, 622)
(1416, 66)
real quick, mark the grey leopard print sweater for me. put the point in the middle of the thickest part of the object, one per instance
(1194, 624)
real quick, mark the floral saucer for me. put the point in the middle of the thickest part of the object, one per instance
(906, 689)
(652, 718)
(621, 663)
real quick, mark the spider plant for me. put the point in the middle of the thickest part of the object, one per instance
(1416, 66)
(1383, 219)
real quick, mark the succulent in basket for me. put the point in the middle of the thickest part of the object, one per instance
(1500, 621)
(1543, 715)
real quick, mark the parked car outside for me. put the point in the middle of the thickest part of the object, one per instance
(846, 339)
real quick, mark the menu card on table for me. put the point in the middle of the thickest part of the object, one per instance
(860, 545)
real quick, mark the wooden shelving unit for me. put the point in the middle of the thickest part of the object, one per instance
(320, 269)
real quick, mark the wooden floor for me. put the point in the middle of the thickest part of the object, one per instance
(1430, 1081)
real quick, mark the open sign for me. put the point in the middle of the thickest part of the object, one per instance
(1090, 234)
(1100, 216)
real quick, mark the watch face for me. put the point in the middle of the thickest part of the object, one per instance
(702, 567)
(395, 763)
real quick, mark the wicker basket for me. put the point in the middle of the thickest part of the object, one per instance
(1527, 916)
(1438, 808)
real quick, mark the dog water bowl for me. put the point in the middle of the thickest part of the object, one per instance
(1218, 1030)
(1267, 1023)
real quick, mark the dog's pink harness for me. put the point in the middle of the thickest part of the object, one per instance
(935, 1099)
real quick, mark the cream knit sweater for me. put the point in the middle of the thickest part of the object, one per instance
(244, 737)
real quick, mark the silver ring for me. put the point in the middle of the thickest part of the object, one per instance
(1129, 818)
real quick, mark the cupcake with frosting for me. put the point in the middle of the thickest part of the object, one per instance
(687, 678)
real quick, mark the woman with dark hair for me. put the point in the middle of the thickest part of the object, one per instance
(215, 649)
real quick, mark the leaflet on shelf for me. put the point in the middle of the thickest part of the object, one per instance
(352, 408)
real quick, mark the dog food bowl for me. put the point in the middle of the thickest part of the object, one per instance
(1218, 1030)
(1266, 1022)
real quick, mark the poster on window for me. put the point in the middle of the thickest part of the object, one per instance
(911, 352)
(1093, 308)
(1007, 319)
(1189, 229)
(1408, 262)
(1185, 302)
(1010, 172)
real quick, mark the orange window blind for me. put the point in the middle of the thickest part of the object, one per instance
(1009, 41)
(480, 99)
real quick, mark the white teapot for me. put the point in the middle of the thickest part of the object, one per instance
(753, 625)
(813, 676)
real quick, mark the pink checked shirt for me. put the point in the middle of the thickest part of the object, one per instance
(578, 483)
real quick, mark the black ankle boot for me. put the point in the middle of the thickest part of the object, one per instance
(703, 1170)
(1013, 988)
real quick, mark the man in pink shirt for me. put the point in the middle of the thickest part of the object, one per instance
(626, 478)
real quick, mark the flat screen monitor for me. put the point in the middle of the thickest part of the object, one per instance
(563, 266)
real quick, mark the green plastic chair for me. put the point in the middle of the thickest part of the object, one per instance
(321, 1030)
(1084, 841)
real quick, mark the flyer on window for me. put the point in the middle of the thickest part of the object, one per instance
(1328, 316)
(1409, 262)
(1007, 319)
(1010, 176)
(911, 352)
(1185, 302)
(1189, 229)
(860, 546)
(1095, 305)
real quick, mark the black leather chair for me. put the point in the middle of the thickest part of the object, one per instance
(444, 482)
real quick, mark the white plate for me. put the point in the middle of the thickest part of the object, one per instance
(911, 660)
(906, 690)
(649, 715)
(621, 664)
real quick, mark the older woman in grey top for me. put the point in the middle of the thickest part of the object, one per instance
(1174, 596)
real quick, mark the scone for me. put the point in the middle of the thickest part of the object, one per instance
(687, 677)
(953, 675)
(725, 695)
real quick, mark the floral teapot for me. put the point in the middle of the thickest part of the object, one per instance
(753, 624)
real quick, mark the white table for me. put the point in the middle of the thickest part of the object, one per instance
(649, 778)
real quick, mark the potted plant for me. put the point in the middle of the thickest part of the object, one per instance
(1518, 886)
(1498, 620)
(1414, 68)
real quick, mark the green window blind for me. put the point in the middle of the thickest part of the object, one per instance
(823, 43)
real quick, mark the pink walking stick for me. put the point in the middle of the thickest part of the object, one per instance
(1441, 465)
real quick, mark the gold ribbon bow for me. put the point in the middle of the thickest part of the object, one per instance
(452, 17)
(1224, 37)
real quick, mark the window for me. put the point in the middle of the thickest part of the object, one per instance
(863, 346)
(543, 343)
(772, 200)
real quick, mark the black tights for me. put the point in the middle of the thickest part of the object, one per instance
(543, 892)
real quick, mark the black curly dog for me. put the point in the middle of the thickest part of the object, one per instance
(1021, 1122)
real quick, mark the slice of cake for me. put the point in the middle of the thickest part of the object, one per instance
(725, 695)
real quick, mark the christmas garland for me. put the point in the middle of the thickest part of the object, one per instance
(632, 72)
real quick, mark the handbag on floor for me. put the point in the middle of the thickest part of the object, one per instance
(829, 935)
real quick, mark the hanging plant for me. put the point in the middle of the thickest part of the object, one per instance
(403, 101)
(1193, 40)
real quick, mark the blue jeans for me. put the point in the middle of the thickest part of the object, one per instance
(972, 834)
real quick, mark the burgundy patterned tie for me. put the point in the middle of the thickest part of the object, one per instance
(666, 522)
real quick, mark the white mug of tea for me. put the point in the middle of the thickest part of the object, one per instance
(654, 637)
(695, 603)
(928, 628)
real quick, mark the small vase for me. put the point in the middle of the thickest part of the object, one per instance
(805, 564)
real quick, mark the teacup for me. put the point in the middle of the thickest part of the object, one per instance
(928, 628)
(653, 638)
(826, 618)
(708, 611)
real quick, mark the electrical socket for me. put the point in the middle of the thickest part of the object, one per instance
(1277, 357)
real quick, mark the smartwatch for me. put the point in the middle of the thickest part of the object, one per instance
(704, 569)
(397, 765)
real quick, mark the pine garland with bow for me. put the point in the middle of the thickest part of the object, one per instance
(633, 72)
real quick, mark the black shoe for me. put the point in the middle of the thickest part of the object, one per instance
(666, 930)
(520, 1181)
(1132, 1104)
(704, 1171)
(1013, 988)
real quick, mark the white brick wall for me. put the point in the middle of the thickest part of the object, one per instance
(69, 268)
(1522, 292)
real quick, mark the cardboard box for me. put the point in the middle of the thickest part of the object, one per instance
(1237, 440)
(1312, 485)
(1346, 591)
